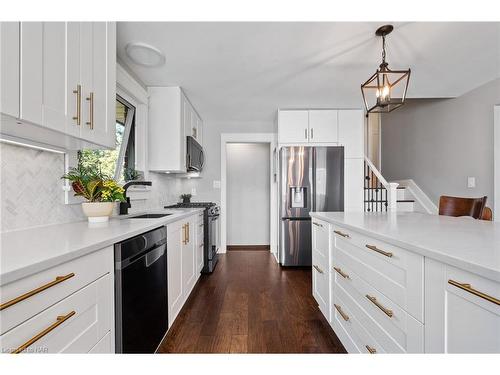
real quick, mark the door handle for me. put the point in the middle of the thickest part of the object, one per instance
(305, 133)
(90, 99)
(312, 133)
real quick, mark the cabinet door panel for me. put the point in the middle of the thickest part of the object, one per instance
(457, 321)
(320, 271)
(351, 132)
(9, 54)
(72, 77)
(174, 256)
(293, 126)
(188, 259)
(323, 126)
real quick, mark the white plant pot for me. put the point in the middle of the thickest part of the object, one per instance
(97, 212)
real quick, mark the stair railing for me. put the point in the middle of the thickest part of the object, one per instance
(379, 195)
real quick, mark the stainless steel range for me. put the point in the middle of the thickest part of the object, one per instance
(211, 236)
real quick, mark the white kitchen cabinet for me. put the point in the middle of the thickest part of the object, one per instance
(182, 267)
(71, 310)
(66, 84)
(293, 126)
(98, 82)
(320, 263)
(175, 239)
(9, 62)
(189, 257)
(457, 319)
(353, 184)
(351, 132)
(323, 126)
(171, 119)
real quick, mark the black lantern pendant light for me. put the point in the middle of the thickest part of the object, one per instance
(386, 89)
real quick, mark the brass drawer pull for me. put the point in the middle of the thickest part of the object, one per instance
(386, 311)
(202, 245)
(341, 234)
(187, 231)
(470, 289)
(58, 279)
(201, 225)
(317, 224)
(341, 273)
(342, 314)
(184, 234)
(318, 269)
(370, 349)
(78, 93)
(375, 248)
(90, 99)
(59, 320)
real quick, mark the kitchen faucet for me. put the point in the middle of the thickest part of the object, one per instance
(124, 206)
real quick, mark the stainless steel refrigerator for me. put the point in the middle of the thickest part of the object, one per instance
(311, 180)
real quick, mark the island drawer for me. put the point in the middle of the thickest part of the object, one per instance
(74, 325)
(395, 272)
(391, 326)
(359, 340)
(24, 298)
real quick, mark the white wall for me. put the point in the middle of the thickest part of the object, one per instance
(248, 196)
(212, 131)
(439, 143)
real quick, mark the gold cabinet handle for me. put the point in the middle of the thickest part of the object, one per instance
(202, 245)
(386, 311)
(375, 248)
(78, 93)
(184, 234)
(342, 313)
(341, 273)
(370, 349)
(58, 279)
(470, 289)
(317, 224)
(59, 320)
(201, 225)
(90, 99)
(341, 234)
(318, 269)
(187, 230)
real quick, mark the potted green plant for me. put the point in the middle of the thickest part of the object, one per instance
(99, 190)
(186, 198)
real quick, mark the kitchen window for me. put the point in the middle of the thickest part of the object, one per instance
(118, 163)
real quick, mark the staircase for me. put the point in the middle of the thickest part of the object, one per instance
(383, 196)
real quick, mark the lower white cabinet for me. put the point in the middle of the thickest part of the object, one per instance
(72, 312)
(320, 264)
(381, 298)
(182, 264)
(200, 243)
(462, 311)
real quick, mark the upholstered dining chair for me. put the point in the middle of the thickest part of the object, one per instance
(457, 206)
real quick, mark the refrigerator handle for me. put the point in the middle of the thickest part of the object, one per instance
(313, 179)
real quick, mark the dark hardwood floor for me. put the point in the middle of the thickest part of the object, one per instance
(251, 305)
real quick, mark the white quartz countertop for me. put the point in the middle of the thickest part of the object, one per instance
(29, 251)
(472, 245)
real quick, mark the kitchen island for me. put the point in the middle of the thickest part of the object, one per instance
(408, 282)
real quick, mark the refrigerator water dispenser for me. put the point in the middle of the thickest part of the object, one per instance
(298, 196)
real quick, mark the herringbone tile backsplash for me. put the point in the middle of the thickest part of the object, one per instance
(31, 191)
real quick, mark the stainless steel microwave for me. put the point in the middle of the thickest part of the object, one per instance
(194, 155)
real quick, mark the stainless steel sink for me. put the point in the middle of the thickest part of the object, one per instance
(149, 216)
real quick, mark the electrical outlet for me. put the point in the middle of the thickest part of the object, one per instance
(471, 182)
(193, 191)
(216, 184)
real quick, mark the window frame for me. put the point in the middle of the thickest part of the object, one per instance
(129, 122)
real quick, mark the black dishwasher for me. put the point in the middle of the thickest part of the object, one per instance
(141, 309)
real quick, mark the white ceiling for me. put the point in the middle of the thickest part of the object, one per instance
(245, 71)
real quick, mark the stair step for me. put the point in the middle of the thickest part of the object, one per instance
(406, 200)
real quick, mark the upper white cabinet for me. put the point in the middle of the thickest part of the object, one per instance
(293, 126)
(171, 119)
(65, 82)
(323, 126)
(9, 63)
(351, 134)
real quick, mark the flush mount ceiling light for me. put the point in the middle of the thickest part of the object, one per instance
(144, 54)
(386, 90)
